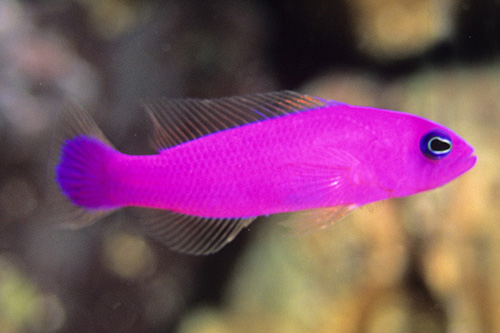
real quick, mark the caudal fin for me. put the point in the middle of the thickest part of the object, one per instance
(76, 190)
(81, 173)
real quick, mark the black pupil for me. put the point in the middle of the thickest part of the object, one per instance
(438, 145)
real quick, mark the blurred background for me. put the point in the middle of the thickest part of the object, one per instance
(426, 263)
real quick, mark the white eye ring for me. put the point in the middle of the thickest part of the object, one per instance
(439, 145)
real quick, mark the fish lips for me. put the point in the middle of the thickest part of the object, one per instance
(468, 162)
(461, 165)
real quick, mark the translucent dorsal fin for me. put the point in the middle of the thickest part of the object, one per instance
(179, 120)
(192, 234)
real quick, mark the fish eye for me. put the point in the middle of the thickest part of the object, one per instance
(436, 144)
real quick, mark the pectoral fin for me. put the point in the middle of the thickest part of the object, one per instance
(325, 179)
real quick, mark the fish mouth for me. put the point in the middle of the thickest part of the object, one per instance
(462, 164)
(471, 160)
(465, 162)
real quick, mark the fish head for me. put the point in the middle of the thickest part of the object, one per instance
(424, 155)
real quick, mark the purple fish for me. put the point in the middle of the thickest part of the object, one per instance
(224, 162)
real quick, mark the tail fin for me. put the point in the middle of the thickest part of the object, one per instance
(81, 173)
(76, 190)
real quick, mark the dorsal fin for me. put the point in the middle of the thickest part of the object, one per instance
(192, 234)
(179, 120)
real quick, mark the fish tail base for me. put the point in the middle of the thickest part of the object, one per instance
(82, 172)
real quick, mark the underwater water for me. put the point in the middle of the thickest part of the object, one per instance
(424, 263)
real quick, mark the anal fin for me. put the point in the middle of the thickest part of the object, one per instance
(192, 234)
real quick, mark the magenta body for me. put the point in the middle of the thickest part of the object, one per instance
(330, 156)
